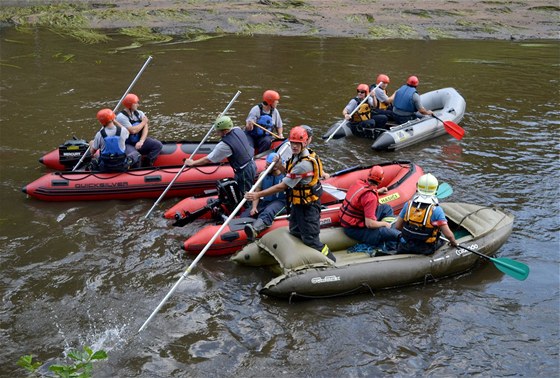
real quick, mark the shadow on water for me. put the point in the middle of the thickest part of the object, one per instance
(91, 273)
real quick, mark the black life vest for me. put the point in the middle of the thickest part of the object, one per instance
(133, 138)
(242, 153)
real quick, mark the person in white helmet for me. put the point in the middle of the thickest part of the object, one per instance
(422, 220)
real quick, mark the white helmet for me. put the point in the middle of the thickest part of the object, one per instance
(427, 184)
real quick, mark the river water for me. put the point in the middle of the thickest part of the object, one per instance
(84, 273)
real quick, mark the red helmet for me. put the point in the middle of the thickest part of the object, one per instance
(412, 81)
(298, 135)
(104, 116)
(270, 96)
(363, 87)
(376, 174)
(382, 78)
(130, 99)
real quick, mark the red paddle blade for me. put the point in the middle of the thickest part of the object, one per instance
(454, 130)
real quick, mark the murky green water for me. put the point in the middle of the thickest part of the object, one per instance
(91, 273)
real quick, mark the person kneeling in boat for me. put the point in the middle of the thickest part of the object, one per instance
(407, 102)
(362, 122)
(267, 208)
(303, 192)
(422, 220)
(235, 147)
(260, 139)
(136, 123)
(361, 213)
(116, 155)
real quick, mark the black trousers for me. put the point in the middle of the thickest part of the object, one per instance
(305, 224)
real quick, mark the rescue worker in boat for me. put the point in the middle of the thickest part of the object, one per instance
(407, 102)
(422, 220)
(267, 208)
(303, 191)
(115, 155)
(136, 123)
(384, 101)
(362, 123)
(235, 147)
(361, 214)
(258, 138)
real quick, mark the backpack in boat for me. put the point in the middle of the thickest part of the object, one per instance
(71, 151)
(229, 193)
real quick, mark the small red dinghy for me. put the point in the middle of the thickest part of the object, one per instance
(400, 178)
(67, 155)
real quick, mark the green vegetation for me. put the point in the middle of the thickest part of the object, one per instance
(394, 31)
(80, 364)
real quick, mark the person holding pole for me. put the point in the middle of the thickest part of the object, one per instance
(303, 192)
(136, 123)
(361, 121)
(235, 147)
(257, 137)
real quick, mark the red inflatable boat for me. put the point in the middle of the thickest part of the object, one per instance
(67, 155)
(400, 179)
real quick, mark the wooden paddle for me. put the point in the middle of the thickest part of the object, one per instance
(510, 267)
(117, 107)
(266, 130)
(452, 128)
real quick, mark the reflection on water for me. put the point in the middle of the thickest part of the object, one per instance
(91, 273)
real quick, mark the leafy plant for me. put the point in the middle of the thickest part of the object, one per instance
(81, 364)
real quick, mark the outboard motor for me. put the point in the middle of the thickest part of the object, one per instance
(229, 193)
(71, 151)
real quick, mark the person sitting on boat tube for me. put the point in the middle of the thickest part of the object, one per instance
(384, 101)
(136, 123)
(361, 213)
(260, 139)
(422, 220)
(116, 155)
(235, 147)
(303, 191)
(407, 102)
(362, 122)
(267, 208)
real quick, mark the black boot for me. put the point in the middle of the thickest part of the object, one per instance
(253, 230)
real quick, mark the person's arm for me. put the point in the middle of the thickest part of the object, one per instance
(370, 223)
(421, 109)
(202, 161)
(252, 196)
(348, 109)
(279, 124)
(399, 223)
(143, 137)
(446, 231)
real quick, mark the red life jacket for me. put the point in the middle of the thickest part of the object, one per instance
(352, 212)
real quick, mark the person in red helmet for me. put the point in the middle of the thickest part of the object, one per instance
(361, 213)
(407, 102)
(303, 192)
(115, 155)
(260, 139)
(384, 101)
(136, 122)
(362, 122)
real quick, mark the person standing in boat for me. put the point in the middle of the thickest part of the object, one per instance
(136, 123)
(384, 102)
(407, 102)
(303, 191)
(361, 213)
(258, 138)
(362, 122)
(235, 147)
(267, 208)
(115, 155)
(422, 220)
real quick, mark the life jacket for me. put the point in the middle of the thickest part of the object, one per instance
(380, 104)
(242, 152)
(403, 99)
(257, 131)
(352, 212)
(417, 228)
(271, 180)
(303, 194)
(133, 138)
(363, 113)
(112, 158)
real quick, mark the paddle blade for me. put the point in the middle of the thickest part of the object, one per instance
(444, 190)
(454, 130)
(512, 268)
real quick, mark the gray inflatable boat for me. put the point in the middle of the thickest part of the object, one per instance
(304, 272)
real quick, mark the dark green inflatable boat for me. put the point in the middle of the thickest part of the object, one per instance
(304, 272)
